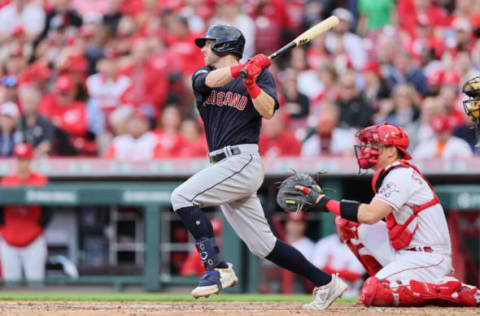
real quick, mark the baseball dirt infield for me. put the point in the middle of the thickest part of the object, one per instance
(44, 308)
(90, 303)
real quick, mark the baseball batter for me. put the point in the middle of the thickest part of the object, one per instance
(408, 255)
(232, 109)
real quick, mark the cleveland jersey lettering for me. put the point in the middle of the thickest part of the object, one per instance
(231, 99)
(228, 112)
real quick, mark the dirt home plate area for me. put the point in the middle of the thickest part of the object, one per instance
(44, 308)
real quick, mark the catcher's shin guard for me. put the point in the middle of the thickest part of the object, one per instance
(451, 292)
(348, 231)
(377, 292)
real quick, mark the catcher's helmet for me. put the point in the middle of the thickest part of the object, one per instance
(227, 40)
(385, 134)
(472, 105)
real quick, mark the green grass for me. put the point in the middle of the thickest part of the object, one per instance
(150, 297)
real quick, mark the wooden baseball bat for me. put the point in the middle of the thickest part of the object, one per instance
(303, 38)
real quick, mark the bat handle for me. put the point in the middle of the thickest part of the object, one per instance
(244, 73)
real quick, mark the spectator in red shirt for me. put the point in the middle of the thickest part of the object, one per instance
(276, 140)
(168, 132)
(193, 265)
(413, 12)
(180, 41)
(62, 108)
(195, 143)
(317, 54)
(70, 111)
(38, 74)
(270, 20)
(149, 90)
(23, 245)
(376, 86)
(452, 106)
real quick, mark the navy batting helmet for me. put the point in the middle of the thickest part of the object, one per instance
(227, 40)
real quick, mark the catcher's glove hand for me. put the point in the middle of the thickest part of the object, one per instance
(293, 199)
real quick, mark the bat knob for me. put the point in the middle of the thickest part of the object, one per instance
(243, 73)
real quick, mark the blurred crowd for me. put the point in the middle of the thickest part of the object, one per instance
(112, 78)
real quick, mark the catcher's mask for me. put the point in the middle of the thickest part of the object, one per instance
(472, 106)
(373, 137)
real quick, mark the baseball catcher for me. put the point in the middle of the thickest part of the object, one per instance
(408, 256)
(472, 106)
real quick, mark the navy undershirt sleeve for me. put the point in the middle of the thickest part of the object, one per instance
(198, 81)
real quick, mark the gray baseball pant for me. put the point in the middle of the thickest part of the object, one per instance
(232, 184)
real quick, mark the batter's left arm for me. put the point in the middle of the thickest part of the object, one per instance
(263, 94)
(264, 104)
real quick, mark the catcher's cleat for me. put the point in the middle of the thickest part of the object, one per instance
(324, 296)
(213, 281)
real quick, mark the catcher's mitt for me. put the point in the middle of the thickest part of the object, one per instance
(293, 200)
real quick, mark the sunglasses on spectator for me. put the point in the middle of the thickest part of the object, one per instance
(9, 81)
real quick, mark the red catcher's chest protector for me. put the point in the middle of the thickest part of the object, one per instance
(400, 235)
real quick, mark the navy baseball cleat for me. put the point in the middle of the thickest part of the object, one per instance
(213, 281)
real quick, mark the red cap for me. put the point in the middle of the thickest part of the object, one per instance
(297, 216)
(217, 225)
(23, 150)
(440, 123)
(64, 84)
(39, 71)
(373, 67)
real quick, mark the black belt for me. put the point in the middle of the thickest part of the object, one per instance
(221, 155)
